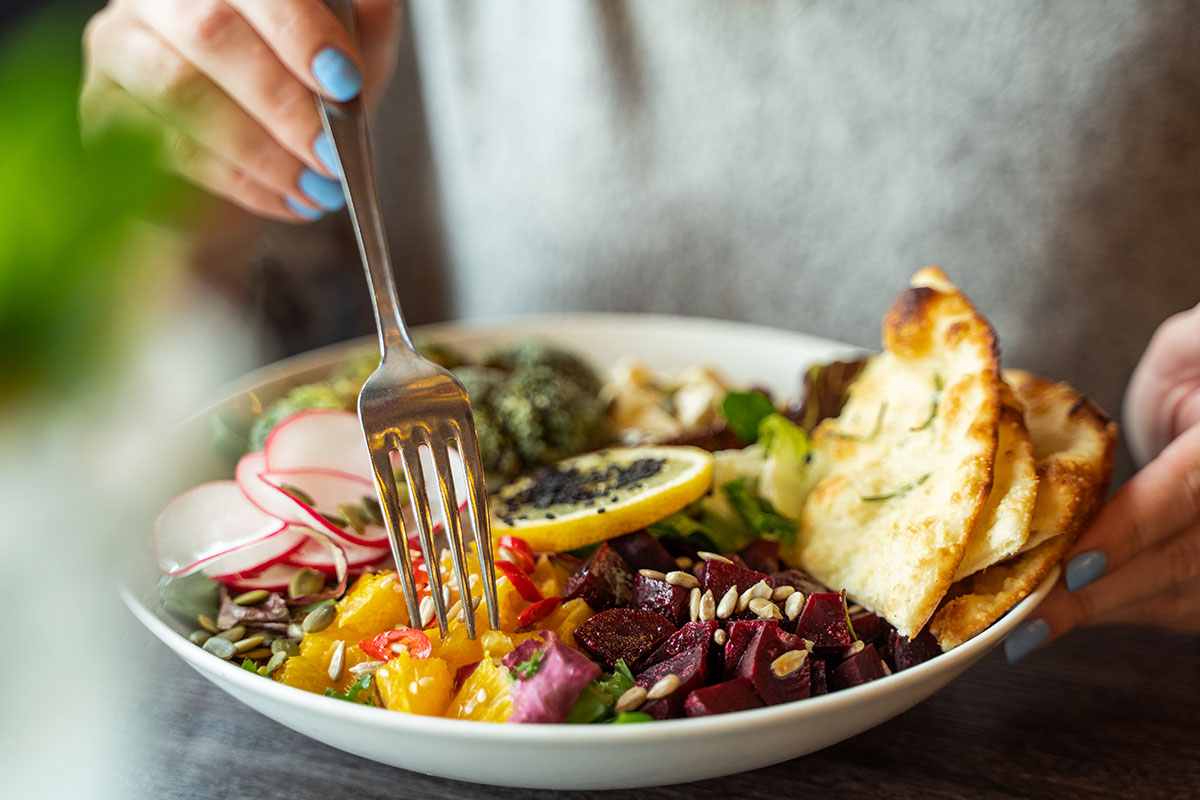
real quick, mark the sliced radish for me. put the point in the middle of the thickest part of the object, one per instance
(275, 578)
(252, 559)
(321, 437)
(328, 490)
(312, 554)
(205, 522)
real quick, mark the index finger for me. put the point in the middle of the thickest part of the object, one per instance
(310, 41)
(1157, 502)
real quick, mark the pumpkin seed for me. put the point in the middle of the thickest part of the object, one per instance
(372, 509)
(208, 624)
(221, 648)
(298, 493)
(335, 520)
(199, 636)
(285, 646)
(233, 634)
(320, 619)
(305, 582)
(276, 661)
(258, 654)
(248, 644)
(251, 598)
(263, 671)
(355, 516)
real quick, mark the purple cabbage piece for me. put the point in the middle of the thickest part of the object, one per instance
(271, 614)
(548, 694)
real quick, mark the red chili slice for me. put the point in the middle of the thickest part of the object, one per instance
(537, 612)
(380, 647)
(516, 550)
(520, 581)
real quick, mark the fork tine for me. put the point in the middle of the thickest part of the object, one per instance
(385, 484)
(468, 448)
(410, 452)
(441, 462)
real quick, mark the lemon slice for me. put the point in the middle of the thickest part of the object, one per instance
(600, 495)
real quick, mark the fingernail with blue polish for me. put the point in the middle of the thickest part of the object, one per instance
(322, 191)
(337, 74)
(1085, 568)
(1025, 639)
(323, 148)
(308, 213)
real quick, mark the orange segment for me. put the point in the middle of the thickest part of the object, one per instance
(303, 673)
(415, 685)
(484, 696)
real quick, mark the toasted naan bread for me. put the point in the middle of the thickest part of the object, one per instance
(905, 470)
(1073, 444)
(1003, 526)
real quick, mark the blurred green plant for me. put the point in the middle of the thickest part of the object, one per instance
(68, 267)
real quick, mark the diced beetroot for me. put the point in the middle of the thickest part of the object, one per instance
(903, 653)
(816, 676)
(642, 551)
(660, 597)
(761, 555)
(864, 666)
(631, 634)
(867, 626)
(690, 667)
(823, 622)
(756, 665)
(735, 695)
(718, 576)
(738, 636)
(693, 634)
(603, 580)
(802, 581)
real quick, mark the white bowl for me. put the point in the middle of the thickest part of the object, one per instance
(583, 756)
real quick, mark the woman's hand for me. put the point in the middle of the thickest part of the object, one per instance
(1139, 562)
(228, 85)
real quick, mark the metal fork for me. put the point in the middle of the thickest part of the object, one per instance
(409, 404)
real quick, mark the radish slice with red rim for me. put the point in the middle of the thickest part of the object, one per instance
(252, 559)
(275, 578)
(206, 522)
(323, 438)
(312, 554)
(328, 490)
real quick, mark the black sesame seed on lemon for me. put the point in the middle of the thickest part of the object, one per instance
(597, 496)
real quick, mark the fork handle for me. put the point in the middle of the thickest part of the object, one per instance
(347, 128)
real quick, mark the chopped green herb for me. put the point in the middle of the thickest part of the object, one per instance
(592, 706)
(874, 431)
(527, 669)
(933, 409)
(250, 666)
(626, 717)
(758, 514)
(744, 411)
(903, 490)
(353, 694)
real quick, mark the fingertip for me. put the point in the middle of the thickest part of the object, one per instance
(323, 150)
(337, 74)
(1084, 569)
(322, 191)
(304, 212)
(1025, 639)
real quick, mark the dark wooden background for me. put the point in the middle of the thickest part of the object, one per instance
(1101, 714)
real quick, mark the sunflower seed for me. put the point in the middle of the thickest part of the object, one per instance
(761, 589)
(365, 668)
(298, 493)
(248, 644)
(445, 595)
(744, 599)
(684, 580)
(708, 606)
(728, 603)
(694, 604)
(707, 556)
(794, 605)
(233, 634)
(319, 619)
(399, 648)
(853, 649)
(474, 605)
(294, 631)
(720, 636)
(372, 509)
(683, 562)
(221, 648)
(426, 610)
(455, 609)
(782, 593)
(630, 700)
(652, 574)
(764, 609)
(663, 687)
(276, 662)
(251, 598)
(789, 662)
(337, 662)
(305, 582)
(208, 624)
(199, 636)
(886, 669)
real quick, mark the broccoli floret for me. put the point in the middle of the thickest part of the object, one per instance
(481, 383)
(301, 398)
(517, 356)
(441, 354)
(547, 415)
(348, 379)
(501, 462)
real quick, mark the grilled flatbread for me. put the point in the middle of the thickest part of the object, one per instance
(1003, 526)
(1073, 444)
(905, 470)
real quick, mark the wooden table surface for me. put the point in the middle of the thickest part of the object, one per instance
(1103, 713)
